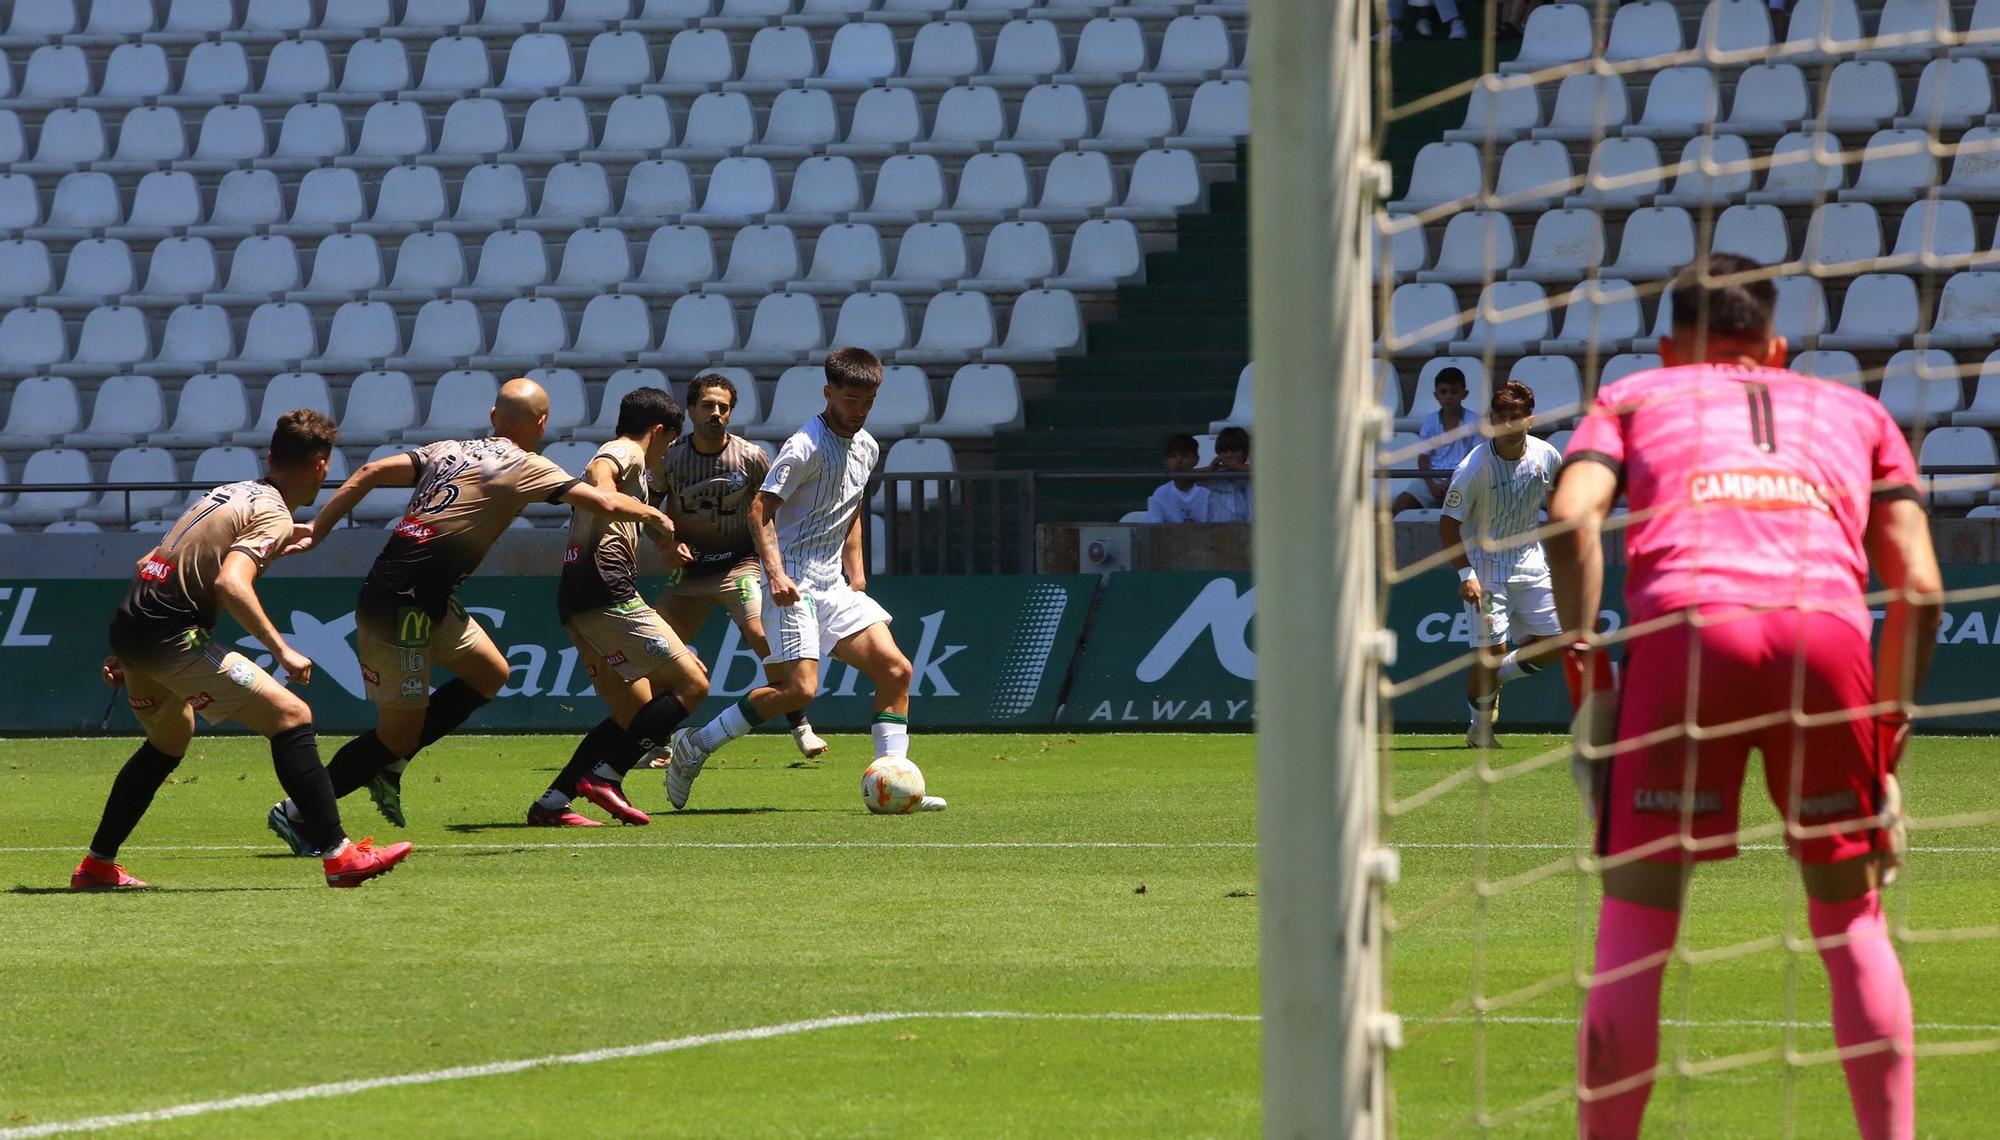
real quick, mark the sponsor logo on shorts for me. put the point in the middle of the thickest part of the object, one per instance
(1673, 801)
(657, 647)
(155, 570)
(413, 627)
(243, 673)
(200, 701)
(572, 554)
(414, 661)
(590, 667)
(614, 659)
(413, 688)
(1756, 490)
(629, 606)
(141, 704)
(370, 675)
(1843, 804)
(415, 529)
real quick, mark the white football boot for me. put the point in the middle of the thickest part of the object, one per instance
(688, 757)
(810, 744)
(932, 803)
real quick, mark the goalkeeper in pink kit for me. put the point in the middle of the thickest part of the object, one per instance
(1759, 500)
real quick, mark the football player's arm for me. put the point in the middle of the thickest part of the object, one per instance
(1583, 497)
(1899, 547)
(236, 588)
(599, 495)
(388, 471)
(764, 536)
(852, 561)
(1459, 499)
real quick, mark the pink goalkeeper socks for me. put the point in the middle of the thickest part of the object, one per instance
(1621, 1017)
(1871, 1007)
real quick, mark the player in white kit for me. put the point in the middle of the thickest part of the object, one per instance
(806, 524)
(1494, 509)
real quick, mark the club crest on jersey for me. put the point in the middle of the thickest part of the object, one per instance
(1756, 490)
(1452, 499)
(415, 529)
(155, 570)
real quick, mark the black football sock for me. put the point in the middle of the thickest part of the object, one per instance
(649, 729)
(451, 705)
(796, 717)
(295, 757)
(131, 794)
(357, 762)
(595, 745)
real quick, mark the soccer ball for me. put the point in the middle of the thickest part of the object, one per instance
(892, 786)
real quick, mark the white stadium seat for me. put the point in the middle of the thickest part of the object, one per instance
(211, 405)
(42, 411)
(1920, 387)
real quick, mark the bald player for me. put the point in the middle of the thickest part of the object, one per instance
(467, 492)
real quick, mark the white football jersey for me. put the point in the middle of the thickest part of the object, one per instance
(822, 478)
(1500, 501)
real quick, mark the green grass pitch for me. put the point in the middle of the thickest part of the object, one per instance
(777, 900)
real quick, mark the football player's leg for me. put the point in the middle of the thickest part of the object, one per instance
(481, 670)
(1490, 629)
(1827, 781)
(1534, 626)
(308, 818)
(740, 598)
(553, 806)
(168, 720)
(876, 654)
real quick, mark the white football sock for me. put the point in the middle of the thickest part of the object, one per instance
(1510, 667)
(339, 849)
(891, 738)
(727, 726)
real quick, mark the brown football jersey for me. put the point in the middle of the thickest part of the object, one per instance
(601, 562)
(468, 492)
(708, 497)
(175, 587)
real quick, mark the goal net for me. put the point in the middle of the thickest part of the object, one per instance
(1546, 187)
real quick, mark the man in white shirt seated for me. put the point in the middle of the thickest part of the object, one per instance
(1179, 500)
(1229, 499)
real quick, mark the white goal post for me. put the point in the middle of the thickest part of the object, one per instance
(1311, 182)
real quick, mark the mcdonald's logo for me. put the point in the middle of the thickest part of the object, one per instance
(413, 627)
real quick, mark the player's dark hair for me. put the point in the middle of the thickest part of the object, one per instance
(853, 368)
(707, 380)
(1182, 444)
(1734, 308)
(643, 407)
(1233, 439)
(1512, 401)
(302, 436)
(1449, 374)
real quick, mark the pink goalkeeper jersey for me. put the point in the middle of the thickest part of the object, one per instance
(1747, 486)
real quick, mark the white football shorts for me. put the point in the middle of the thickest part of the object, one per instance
(1530, 605)
(822, 618)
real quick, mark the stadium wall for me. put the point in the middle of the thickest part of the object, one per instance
(1133, 651)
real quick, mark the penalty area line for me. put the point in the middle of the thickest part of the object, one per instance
(591, 1057)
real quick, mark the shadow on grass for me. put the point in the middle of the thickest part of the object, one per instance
(522, 825)
(154, 890)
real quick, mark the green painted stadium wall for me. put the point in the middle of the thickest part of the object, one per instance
(1133, 651)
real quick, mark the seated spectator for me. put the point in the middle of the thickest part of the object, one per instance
(1450, 388)
(1229, 499)
(1180, 500)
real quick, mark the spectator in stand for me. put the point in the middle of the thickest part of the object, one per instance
(1450, 388)
(1181, 499)
(1229, 499)
(1447, 11)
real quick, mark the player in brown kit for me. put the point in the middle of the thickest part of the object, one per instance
(706, 485)
(639, 666)
(165, 654)
(408, 614)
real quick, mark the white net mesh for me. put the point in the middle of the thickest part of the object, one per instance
(1845, 150)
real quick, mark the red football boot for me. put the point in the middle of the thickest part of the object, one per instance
(362, 861)
(611, 798)
(97, 875)
(543, 817)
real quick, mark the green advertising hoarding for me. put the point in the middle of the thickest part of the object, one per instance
(1177, 649)
(986, 652)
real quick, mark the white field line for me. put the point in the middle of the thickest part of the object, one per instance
(871, 845)
(807, 845)
(1674, 1023)
(757, 1033)
(592, 1057)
